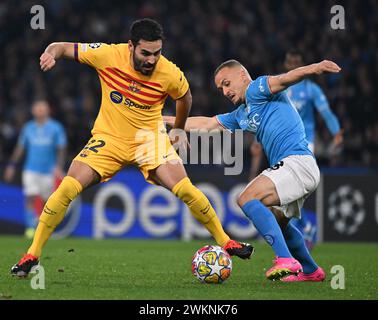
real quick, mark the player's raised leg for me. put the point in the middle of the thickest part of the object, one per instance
(173, 177)
(255, 198)
(79, 177)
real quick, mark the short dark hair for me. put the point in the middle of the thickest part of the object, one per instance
(145, 29)
(227, 64)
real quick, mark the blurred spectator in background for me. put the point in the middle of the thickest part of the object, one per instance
(43, 140)
(202, 33)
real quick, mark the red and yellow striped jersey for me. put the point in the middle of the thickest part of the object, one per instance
(130, 100)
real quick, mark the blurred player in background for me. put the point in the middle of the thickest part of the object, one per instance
(129, 130)
(43, 140)
(307, 97)
(278, 193)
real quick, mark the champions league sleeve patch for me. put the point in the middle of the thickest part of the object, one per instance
(95, 45)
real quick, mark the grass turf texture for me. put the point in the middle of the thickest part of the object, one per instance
(154, 269)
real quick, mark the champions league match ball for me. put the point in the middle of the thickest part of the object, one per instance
(211, 264)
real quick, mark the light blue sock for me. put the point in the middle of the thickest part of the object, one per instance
(30, 218)
(268, 227)
(297, 246)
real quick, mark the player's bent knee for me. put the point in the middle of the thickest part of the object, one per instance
(248, 195)
(83, 173)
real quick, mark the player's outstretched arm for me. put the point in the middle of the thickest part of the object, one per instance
(285, 80)
(55, 51)
(196, 123)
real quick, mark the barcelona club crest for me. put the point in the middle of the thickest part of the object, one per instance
(134, 86)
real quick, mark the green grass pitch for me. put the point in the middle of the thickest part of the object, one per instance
(157, 269)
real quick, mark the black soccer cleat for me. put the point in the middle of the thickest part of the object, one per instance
(239, 249)
(24, 266)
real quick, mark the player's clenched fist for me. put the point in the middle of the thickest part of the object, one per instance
(47, 61)
(327, 66)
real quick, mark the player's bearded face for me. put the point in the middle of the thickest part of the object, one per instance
(146, 55)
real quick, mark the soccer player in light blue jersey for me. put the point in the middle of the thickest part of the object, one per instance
(278, 193)
(43, 140)
(308, 98)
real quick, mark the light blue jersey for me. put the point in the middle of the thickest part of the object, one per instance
(40, 143)
(274, 120)
(307, 96)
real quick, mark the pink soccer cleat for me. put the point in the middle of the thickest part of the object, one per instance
(283, 267)
(317, 276)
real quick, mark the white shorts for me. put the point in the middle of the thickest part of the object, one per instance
(37, 184)
(295, 178)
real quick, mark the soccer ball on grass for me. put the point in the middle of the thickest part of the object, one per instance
(211, 264)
